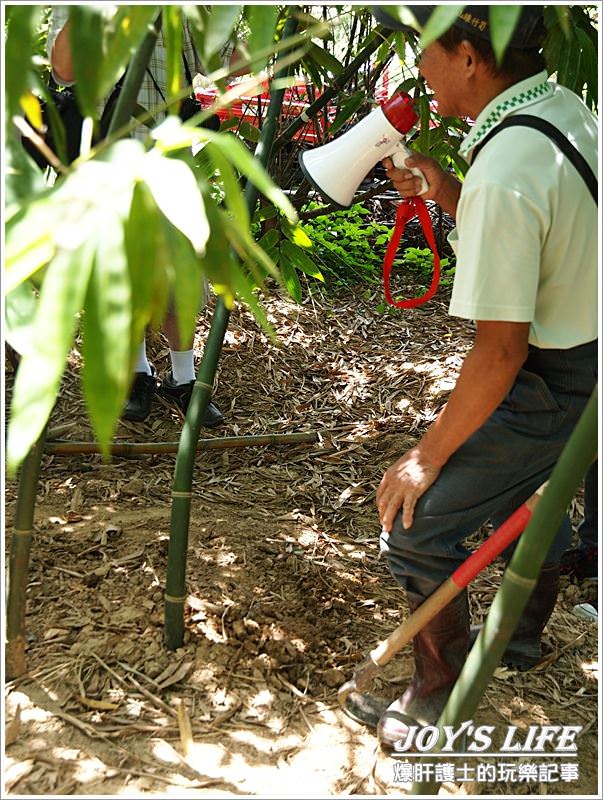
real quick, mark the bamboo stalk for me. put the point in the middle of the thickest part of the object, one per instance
(175, 591)
(128, 96)
(19, 561)
(520, 577)
(60, 447)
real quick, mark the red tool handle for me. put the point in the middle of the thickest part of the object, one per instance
(492, 547)
(405, 212)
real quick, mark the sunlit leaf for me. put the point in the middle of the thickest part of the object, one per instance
(172, 34)
(300, 260)
(123, 34)
(32, 109)
(290, 278)
(262, 20)
(18, 47)
(86, 30)
(247, 165)
(40, 370)
(144, 252)
(20, 308)
(438, 23)
(219, 24)
(233, 196)
(106, 341)
(177, 194)
(187, 286)
(296, 234)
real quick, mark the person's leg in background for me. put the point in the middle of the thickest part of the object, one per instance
(177, 387)
(138, 405)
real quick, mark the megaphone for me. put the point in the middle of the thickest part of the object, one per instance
(337, 169)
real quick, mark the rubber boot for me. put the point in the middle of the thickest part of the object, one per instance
(524, 649)
(440, 650)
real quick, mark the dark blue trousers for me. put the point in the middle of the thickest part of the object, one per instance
(497, 469)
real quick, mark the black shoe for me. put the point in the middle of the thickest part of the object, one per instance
(580, 563)
(138, 406)
(180, 395)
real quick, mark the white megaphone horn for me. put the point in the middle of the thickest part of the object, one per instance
(337, 169)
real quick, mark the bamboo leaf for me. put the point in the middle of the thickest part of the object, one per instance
(269, 242)
(249, 132)
(296, 234)
(503, 21)
(325, 60)
(19, 314)
(290, 278)
(564, 19)
(218, 26)
(18, 47)
(262, 22)
(40, 371)
(300, 260)
(233, 196)
(218, 262)
(22, 177)
(124, 33)
(187, 285)
(177, 194)
(142, 253)
(247, 165)
(172, 33)
(438, 23)
(86, 39)
(588, 74)
(348, 109)
(245, 290)
(107, 321)
(29, 239)
(30, 105)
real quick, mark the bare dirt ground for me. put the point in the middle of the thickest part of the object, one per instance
(286, 591)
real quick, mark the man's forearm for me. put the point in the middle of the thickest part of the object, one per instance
(448, 199)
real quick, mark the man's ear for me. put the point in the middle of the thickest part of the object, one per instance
(469, 55)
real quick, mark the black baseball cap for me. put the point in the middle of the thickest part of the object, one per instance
(528, 33)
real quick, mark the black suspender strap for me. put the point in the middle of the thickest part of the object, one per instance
(562, 142)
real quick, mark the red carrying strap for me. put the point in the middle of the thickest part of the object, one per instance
(405, 212)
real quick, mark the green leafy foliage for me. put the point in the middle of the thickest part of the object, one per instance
(115, 237)
(130, 224)
(503, 20)
(349, 249)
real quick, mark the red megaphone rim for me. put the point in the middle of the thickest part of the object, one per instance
(400, 112)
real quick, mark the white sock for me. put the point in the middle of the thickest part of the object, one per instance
(183, 366)
(142, 364)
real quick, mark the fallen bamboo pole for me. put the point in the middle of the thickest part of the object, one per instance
(63, 447)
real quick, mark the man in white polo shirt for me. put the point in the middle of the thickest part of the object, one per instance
(526, 247)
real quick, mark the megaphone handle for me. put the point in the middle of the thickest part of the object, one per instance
(405, 212)
(399, 157)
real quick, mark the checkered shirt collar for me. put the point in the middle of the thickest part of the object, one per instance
(520, 95)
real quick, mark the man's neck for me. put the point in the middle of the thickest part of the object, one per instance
(485, 92)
